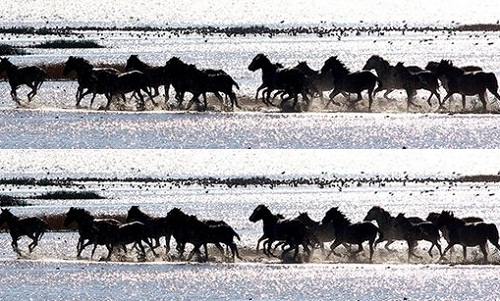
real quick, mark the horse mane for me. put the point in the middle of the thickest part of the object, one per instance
(335, 215)
(336, 64)
(135, 210)
(135, 59)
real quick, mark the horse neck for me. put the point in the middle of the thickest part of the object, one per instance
(383, 217)
(140, 65)
(382, 67)
(141, 215)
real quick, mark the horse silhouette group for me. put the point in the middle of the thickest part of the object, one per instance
(296, 237)
(295, 86)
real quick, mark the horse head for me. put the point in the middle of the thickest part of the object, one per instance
(134, 214)
(259, 213)
(374, 213)
(77, 214)
(5, 216)
(375, 62)
(5, 64)
(259, 61)
(76, 63)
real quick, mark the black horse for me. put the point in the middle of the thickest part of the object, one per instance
(131, 81)
(415, 81)
(385, 72)
(319, 232)
(347, 232)
(31, 76)
(188, 78)
(414, 232)
(90, 79)
(90, 229)
(468, 234)
(290, 231)
(33, 227)
(156, 75)
(386, 225)
(431, 66)
(467, 83)
(289, 80)
(124, 234)
(158, 227)
(189, 229)
(345, 81)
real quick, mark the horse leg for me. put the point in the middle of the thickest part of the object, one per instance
(234, 100)
(150, 245)
(335, 244)
(331, 97)
(386, 94)
(483, 100)
(13, 93)
(258, 242)
(485, 253)
(15, 246)
(465, 252)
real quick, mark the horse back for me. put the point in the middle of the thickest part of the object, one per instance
(358, 232)
(31, 225)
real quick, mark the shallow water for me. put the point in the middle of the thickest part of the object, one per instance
(52, 122)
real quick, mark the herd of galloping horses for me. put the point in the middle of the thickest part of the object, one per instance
(290, 234)
(277, 80)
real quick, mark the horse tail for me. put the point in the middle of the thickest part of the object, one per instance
(492, 233)
(492, 83)
(236, 235)
(235, 84)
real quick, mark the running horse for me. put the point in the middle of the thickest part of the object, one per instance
(467, 83)
(289, 80)
(351, 233)
(90, 79)
(31, 76)
(468, 234)
(417, 80)
(345, 81)
(33, 227)
(385, 73)
(156, 75)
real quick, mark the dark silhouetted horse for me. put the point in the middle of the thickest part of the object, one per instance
(415, 81)
(33, 227)
(347, 232)
(414, 232)
(156, 75)
(345, 81)
(290, 231)
(124, 234)
(131, 81)
(31, 76)
(468, 234)
(158, 227)
(319, 232)
(188, 78)
(90, 79)
(385, 72)
(188, 229)
(467, 83)
(386, 225)
(289, 80)
(90, 229)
